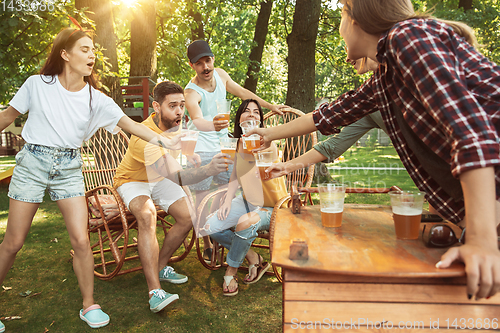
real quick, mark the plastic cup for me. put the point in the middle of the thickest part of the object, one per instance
(228, 146)
(224, 108)
(251, 142)
(248, 125)
(263, 160)
(406, 212)
(188, 142)
(331, 198)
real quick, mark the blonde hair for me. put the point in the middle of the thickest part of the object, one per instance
(378, 16)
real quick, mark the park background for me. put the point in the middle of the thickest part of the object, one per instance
(287, 51)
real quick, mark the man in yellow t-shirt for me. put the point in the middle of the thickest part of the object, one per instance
(149, 175)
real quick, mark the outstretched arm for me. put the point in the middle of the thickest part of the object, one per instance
(309, 158)
(169, 168)
(296, 127)
(149, 135)
(7, 116)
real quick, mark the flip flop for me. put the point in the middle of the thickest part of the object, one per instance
(262, 268)
(227, 281)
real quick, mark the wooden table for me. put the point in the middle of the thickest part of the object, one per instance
(360, 277)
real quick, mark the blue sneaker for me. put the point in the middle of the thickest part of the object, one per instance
(94, 316)
(2, 327)
(168, 274)
(161, 299)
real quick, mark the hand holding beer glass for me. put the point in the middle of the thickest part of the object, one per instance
(228, 146)
(406, 212)
(188, 142)
(253, 141)
(223, 112)
(331, 198)
(263, 160)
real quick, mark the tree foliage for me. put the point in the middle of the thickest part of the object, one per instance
(229, 26)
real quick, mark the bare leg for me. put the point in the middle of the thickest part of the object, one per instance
(200, 195)
(18, 225)
(144, 211)
(74, 211)
(183, 214)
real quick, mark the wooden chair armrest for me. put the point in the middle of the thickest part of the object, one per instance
(119, 203)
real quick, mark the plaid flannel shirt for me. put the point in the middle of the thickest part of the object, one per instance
(449, 95)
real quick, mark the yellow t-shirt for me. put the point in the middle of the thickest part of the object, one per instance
(141, 154)
(258, 193)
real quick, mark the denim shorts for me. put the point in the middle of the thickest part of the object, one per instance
(219, 179)
(39, 168)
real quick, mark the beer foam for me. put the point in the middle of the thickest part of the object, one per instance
(332, 210)
(263, 164)
(406, 211)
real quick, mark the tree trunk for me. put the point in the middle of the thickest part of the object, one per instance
(302, 55)
(197, 29)
(261, 28)
(143, 41)
(465, 4)
(101, 13)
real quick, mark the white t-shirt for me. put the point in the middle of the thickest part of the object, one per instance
(61, 118)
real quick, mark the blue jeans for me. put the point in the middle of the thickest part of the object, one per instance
(237, 242)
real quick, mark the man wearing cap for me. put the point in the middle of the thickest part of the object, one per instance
(208, 86)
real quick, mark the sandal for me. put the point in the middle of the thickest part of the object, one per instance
(94, 316)
(227, 281)
(262, 268)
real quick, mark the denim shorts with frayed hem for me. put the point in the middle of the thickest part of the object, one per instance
(39, 168)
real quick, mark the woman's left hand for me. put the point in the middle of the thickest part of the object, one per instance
(482, 266)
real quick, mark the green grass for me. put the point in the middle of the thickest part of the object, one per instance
(45, 267)
(378, 156)
(6, 162)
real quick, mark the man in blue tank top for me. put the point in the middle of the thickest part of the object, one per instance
(208, 86)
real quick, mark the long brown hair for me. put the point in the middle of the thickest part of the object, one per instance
(237, 129)
(65, 40)
(378, 16)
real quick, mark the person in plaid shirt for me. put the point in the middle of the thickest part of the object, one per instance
(440, 101)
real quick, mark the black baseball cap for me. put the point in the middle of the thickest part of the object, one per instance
(198, 49)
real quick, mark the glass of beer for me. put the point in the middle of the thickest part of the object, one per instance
(251, 142)
(188, 142)
(248, 125)
(228, 146)
(331, 198)
(406, 212)
(223, 108)
(263, 160)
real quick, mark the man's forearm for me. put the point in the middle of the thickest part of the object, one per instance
(190, 176)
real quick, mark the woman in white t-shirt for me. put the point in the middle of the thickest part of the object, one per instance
(65, 109)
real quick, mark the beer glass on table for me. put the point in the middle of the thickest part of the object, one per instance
(331, 198)
(407, 212)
